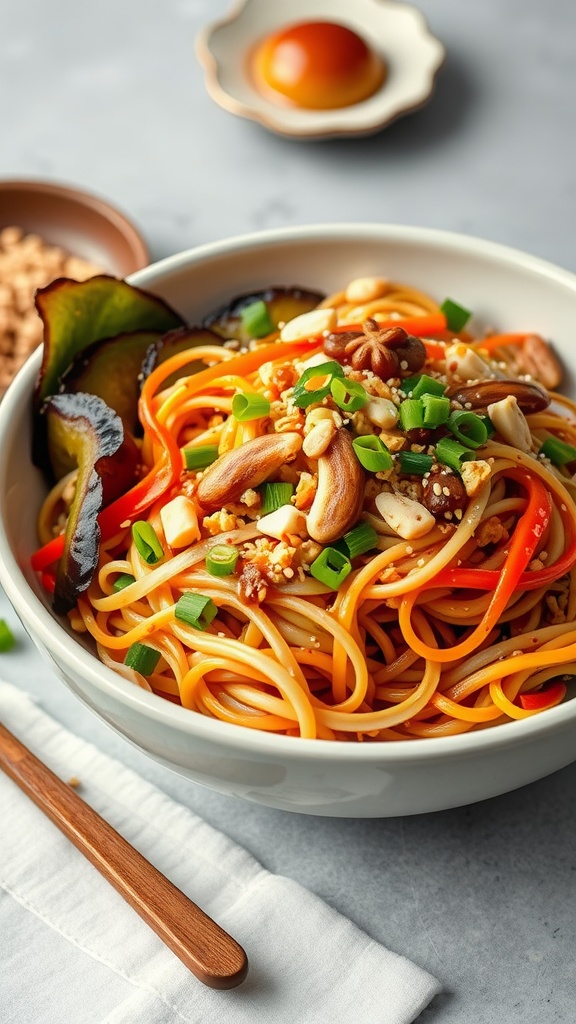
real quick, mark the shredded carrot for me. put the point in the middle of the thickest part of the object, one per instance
(431, 323)
(494, 341)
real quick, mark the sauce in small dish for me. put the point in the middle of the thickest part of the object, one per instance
(317, 65)
(308, 69)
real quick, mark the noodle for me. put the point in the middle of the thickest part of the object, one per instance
(429, 631)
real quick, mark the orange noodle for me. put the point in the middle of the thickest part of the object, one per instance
(381, 548)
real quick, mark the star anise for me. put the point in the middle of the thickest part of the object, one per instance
(387, 352)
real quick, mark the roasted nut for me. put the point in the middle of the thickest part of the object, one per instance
(244, 467)
(318, 439)
(340, 490)
(366, 289)
(443, 492)
(530, 396)
(309, 325)
(536, 358)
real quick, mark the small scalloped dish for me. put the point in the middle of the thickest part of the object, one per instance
(396, 32)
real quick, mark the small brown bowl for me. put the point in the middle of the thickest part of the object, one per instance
(81, 223)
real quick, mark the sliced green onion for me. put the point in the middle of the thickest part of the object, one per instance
(142, 658)
(249, 407)
(415, 463)
(147, 544)
(123, 581)
(559, 452)
(200, 456)
(349, 395)
(468, 428)
(409, 383)
(490, 428)
(456, 316)
(358, 541)
(372, 453)
(221, 559)
(436, 410)
(274, 495)
(7, 640)
(256, 319)
(411, 414)
(305, 395)
(331, 567)
(427, 386)
(452, 453)
(195, 610)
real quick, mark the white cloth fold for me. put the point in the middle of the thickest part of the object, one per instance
(72, 949)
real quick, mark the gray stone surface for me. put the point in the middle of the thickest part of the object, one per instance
(110, 97)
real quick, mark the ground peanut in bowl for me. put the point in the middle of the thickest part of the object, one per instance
(27, 262)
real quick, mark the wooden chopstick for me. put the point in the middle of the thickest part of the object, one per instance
(206, 949)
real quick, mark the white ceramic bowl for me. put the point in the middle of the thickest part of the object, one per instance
(506, 289)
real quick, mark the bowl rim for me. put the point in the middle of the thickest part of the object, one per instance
(36, 615)
(108, 212)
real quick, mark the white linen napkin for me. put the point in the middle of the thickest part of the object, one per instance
(72, 950)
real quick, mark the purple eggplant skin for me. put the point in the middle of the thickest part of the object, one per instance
(83, 431)
(283, 304)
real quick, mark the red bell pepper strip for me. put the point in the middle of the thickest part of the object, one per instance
(487, 579)
(543, 698)
(527, 534)
(48, 554)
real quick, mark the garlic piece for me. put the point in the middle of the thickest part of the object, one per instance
(282, 522)
(309, 325)
(382, 412)
(408, 518)
(511, 423)
(467, 364)
(474, 474)
(180, 522)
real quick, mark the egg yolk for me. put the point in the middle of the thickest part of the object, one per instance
(318, 65)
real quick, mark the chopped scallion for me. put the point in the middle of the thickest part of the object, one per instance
(123, 581)
(331, 567)
(452, 453)
(147, 543)
(372, 453)
(456, 316)
(274, 495)
(409, 383)
(249, 407)
(256, 319)
(195, 610)
(358, 541)
(436, 410)
(415, 463)
(559, 452)
(427, 386)
(7, 640)
(349, 395)
(314, 384)
(468, 428)
(200, 456)
(411, 414)
(142, 658)
(221, 559)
